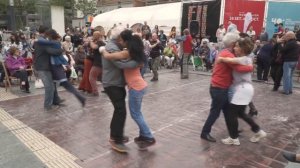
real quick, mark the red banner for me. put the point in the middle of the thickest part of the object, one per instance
(237, 10)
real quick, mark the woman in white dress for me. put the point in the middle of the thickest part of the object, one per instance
(240, 94)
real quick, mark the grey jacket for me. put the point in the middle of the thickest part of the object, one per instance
(112, 70)
(42, 53)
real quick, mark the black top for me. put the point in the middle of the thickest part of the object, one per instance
(155, 51)
(290, 51)
(42, 53)
(95, 54)
(276, 54)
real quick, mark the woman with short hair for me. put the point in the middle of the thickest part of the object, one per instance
(241, 93)
(17, 67)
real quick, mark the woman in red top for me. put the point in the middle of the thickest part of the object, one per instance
(135, 82)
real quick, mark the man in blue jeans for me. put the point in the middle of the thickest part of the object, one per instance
(41, 64)
(220, 83)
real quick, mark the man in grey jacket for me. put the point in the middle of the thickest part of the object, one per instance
(41, 63)
(114, 85)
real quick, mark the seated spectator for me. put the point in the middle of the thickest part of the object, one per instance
(214, 51)
(205, 55)
(170, 53)
(17, 68)
(79, 59)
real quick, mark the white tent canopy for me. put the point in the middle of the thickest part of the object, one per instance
(165, 15)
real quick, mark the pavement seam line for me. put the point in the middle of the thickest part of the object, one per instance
(50, 154)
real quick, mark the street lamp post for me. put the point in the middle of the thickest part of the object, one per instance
(12, 15)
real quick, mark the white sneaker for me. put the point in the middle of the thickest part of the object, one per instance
(260, 134)
(230, 141)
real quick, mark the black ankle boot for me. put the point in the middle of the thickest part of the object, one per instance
(275, 88)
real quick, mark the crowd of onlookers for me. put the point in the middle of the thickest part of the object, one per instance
(162, 49)
(17, 50)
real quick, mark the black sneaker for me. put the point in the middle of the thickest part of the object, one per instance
(119, 147)
(125, 139)
(60, 102)
(144, 142)
(154, 79)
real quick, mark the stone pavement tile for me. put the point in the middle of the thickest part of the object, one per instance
(14, 154)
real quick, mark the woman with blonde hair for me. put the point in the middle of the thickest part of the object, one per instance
(290, 55)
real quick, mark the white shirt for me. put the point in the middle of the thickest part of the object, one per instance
(241, 91)
(220, 34)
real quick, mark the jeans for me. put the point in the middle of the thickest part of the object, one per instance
(288, 70)
(234, 112)
(144, 68)
(219, 102)
(135, 105)
(51, 95)
(70, 88)
(117, 96)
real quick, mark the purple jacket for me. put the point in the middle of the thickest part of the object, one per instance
(13, 64)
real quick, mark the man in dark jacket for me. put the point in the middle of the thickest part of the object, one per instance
(290, 55)
(41, 63)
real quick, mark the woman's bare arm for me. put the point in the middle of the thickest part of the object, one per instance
(228, 60)
(116, 55)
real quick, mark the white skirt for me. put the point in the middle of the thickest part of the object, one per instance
(242, 94)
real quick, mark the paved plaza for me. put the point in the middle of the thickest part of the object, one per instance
(175, 110)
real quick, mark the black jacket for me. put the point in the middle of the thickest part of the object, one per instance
(290, 51)
(42, 54)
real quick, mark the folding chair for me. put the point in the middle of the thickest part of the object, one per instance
(7, 77)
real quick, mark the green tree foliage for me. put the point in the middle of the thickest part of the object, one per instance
(29, 6)
(3, 6)
(58, 2)
(21, 5)
(86, 6)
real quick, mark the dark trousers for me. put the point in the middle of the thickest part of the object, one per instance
(219, 102)
(23, 76)
(276, 74)
(117, 96)
(145, 67)
(263, 68)
(252, 107)
(231, 119)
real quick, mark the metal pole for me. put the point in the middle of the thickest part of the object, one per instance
(12, 15)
